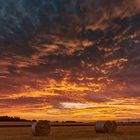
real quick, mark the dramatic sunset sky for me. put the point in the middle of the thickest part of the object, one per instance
(70, 59)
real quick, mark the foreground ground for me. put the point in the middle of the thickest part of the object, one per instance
(72, 133)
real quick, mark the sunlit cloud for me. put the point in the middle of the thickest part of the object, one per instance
(76, 105)
(84, 64)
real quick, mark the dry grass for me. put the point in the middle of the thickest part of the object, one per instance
(72, 133)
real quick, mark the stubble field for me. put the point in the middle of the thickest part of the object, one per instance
(71, 133)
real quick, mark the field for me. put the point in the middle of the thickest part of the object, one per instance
(71, 133)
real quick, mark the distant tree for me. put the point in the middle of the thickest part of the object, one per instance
(8, 118)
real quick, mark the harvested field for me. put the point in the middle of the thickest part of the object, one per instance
(71, 133)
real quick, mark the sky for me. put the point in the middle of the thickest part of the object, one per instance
(70, 59)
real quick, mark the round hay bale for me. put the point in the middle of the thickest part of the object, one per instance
(104, 127)
(114, 126)
(41, 128)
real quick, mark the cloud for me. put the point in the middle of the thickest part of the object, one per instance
(76, 105)
(90, 54)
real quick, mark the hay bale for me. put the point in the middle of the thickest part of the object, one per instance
(114, 126)
(41, 128)
(105, 126)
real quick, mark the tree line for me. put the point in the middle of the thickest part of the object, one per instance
(8, 118)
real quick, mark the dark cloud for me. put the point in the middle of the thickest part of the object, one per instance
(81, 50)
(34, 101)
